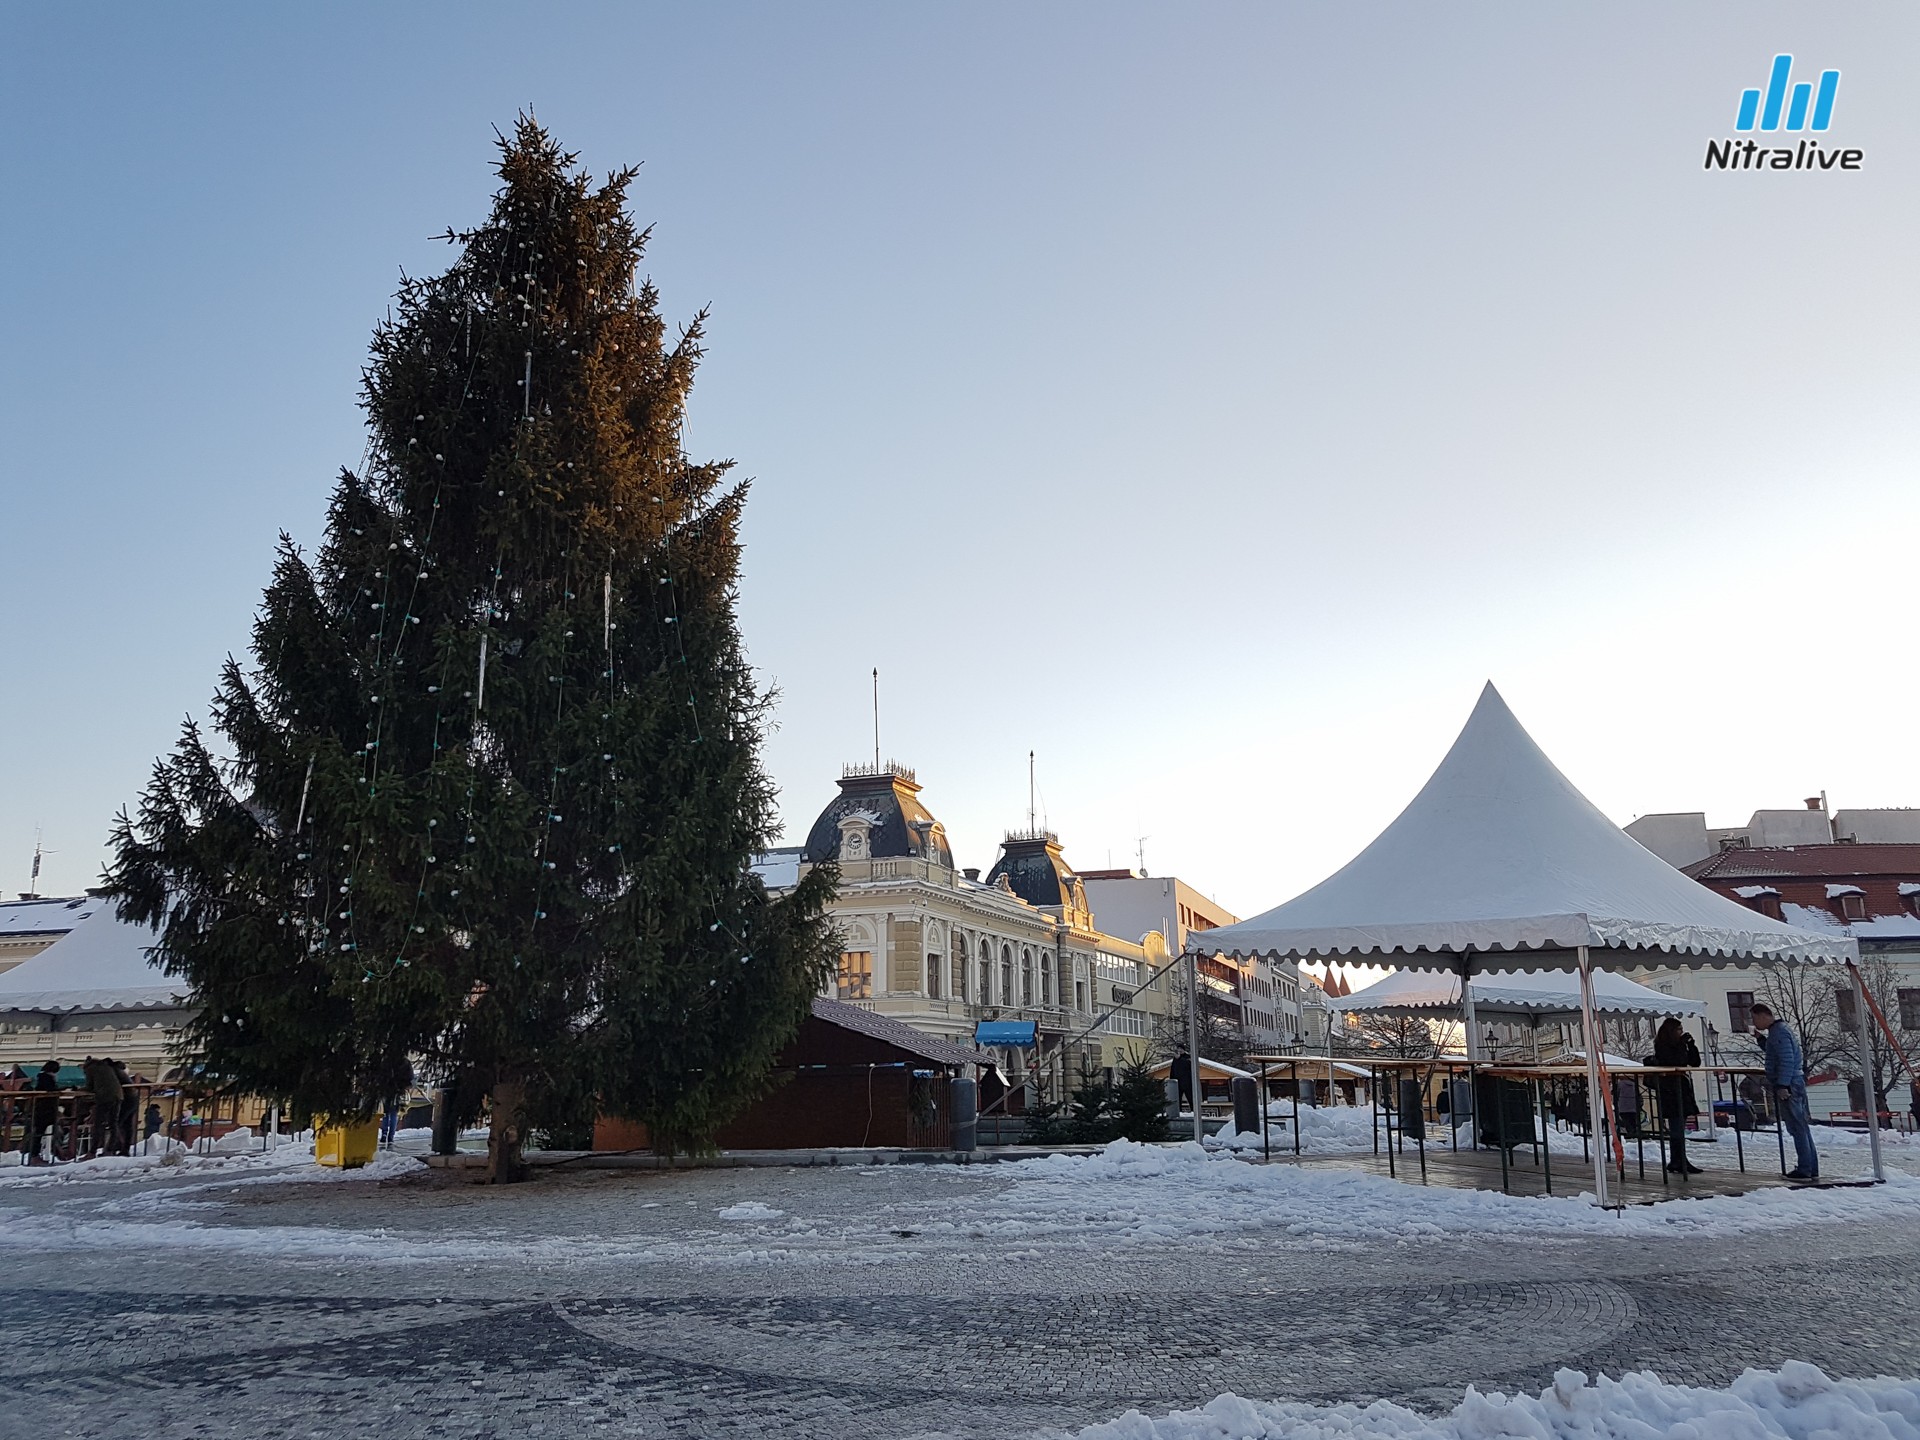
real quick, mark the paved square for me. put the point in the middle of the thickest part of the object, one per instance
(892, 1302)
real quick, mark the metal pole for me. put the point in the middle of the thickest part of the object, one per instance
(1596, 1102)
(1193, 1041)
(1861, 1003)
(1467, 1015)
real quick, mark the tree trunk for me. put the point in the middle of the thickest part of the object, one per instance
(506, 1135)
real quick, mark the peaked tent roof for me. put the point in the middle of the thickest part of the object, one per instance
(101, 964)
(1499, 853)
(1520, 992)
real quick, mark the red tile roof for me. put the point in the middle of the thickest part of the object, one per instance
(1780, 862)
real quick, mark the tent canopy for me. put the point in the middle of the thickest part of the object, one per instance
(1516, 993)
(101, 964)
(1498, 864)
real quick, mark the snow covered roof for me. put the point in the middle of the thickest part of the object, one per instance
(1754, 892)
(778, 869)
(53, 916)
(1517, 992)
(897, 1033)
(101, 964)
(1834, 892)
(1499, 862)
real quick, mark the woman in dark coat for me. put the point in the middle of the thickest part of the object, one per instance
(1672, 1045)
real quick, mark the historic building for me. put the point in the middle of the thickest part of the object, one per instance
(943, 949)
(1853, 871)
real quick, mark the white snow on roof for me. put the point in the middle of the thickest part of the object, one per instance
(45, 917)
(1754, 892)
(1500, 853)
(1874, 927)
(100, 965)
(1834, 892)
(1907, 887)
(778, 869)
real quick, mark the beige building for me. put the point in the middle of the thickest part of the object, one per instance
(943, 949)
(33, 922)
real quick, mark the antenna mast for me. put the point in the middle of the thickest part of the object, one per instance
(1030, 820)
(876, 719)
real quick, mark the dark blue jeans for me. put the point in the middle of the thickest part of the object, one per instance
(1793, 1114)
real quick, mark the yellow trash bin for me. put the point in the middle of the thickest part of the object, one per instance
(347, 1146)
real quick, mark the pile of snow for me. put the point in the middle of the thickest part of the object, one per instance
(1130, 1193)
(750, 1210)
(1796, 1402)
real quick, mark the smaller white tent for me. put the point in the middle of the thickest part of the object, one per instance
(101, 964)
(1512, 993)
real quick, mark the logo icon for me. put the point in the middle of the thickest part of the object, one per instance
(1795, 103)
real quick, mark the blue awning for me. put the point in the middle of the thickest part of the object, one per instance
(1004, 1032)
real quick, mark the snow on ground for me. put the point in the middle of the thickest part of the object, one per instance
(1142, 1193)
(1796, 1402)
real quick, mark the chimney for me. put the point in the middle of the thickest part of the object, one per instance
(1815, 802)
(972, 872)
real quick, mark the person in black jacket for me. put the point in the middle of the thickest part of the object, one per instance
(46, 1108)
(1672, 1045)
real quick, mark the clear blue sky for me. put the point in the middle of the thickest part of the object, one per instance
(1209, 398)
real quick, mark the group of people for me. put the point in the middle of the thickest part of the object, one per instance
(111, 1117)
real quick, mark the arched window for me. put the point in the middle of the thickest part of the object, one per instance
(986, 972)
(1026, 976)
(934, 966)
(959, 966)
(1046, 977)
(1006, 975)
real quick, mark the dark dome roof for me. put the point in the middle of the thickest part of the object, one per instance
(890, 794)
(1035, 869)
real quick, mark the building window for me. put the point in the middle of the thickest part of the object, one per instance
(1046, 977)
(960, 966)
(1909, 1009)
(1740, 1011)
(1080, 997)
(856, 975)
(1006, 975)
(933, 976)
(986, 977)
(1845, 1001)
(1026, 977)
(1853, 907)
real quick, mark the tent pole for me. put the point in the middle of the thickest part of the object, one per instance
(1596, 1101)
(1861, 1004)
(1466, 1006)
(1193, 1041)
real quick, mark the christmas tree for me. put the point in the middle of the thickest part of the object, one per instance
(489, 789)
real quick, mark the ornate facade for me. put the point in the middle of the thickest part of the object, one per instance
(942, 949)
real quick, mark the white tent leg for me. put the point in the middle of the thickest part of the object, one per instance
(1862, 1014)
(1467, 1017)
(1596, 1102)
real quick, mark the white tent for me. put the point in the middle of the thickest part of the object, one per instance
(1517, 993)
(101, 964)
(1500, 864)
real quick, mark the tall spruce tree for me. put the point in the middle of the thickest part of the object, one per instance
(490, 786)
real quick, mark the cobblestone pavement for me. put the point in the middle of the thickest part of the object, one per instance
(173, 1310)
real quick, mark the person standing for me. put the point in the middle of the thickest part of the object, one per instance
(129, 1109)
(104, 1083)
(1786, 1076)
(1674, 1047)
(46, 1107)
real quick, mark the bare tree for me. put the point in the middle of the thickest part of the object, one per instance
(1802, 995)
(1403, 1037)
(1889, 1064)
(1221, 1036)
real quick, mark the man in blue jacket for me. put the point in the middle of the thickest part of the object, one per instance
(1786, 1077)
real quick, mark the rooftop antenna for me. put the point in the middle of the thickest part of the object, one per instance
(1030, 819)
(1140, 851)
(876, 719)
(33, 885)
